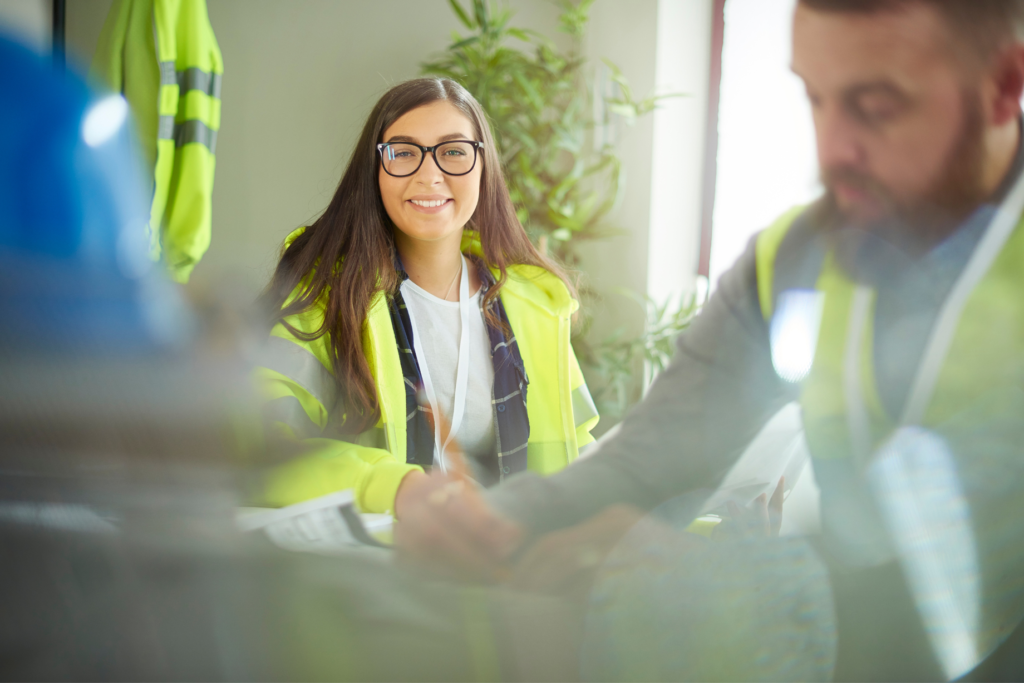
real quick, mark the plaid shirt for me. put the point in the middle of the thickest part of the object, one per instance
(508, 396)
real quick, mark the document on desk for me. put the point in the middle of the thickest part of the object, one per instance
(328, 525)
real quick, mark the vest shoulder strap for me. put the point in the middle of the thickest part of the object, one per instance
(790, 254)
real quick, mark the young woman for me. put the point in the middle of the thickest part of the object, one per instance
(418, 291)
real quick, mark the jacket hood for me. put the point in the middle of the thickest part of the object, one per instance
(537, 285)
(293, 235)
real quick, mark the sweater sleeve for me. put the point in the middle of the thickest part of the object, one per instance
(695, 422)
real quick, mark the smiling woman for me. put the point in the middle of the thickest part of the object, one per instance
(418, 294)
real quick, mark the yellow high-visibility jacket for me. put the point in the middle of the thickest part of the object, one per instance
(955, 456)
(299, 391)
(163, 57)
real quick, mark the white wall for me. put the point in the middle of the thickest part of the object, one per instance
(677, 176)
(301, 75)
(625, 33)
(662, 46)
(300, 78)
(28, 21)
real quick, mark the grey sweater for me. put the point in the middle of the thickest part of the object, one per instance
(721, 387)
(699, 415)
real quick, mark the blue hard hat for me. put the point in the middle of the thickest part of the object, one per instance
(74, 268)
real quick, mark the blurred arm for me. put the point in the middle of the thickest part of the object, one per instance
(696, 420)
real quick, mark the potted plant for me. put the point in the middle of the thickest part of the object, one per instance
(564, 178)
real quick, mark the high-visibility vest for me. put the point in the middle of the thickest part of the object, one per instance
(163, 57)
(971, 426)
(301, 395)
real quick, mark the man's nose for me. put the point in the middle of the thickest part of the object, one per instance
(839, 145)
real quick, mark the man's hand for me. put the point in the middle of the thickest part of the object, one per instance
(762, 518)
(444, 525)
(566, 561)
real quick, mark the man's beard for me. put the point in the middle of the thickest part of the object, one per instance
(951, 198)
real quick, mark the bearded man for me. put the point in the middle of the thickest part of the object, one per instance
(892, 311)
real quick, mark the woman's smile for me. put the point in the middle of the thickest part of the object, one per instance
(431, 204)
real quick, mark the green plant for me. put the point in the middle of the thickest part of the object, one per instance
(564, 178)
(614, 361)
(562, 182)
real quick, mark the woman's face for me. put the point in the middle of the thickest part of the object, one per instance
(430, 205)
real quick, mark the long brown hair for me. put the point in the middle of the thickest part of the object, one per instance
(355, 230)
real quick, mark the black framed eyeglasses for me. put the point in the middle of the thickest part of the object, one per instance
(402, 159)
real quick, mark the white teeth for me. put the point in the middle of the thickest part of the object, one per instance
(428, 204)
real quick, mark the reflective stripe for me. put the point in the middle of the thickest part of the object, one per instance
(857, 421)
(197, 79)
(941, 338)
(288, 410)
(167, 74)
(583, 407)
(505, 398)
(191, 131)
(513, 451)
(505, 344)
(187, 132)
(192, 78)
(301, 366)
(165, 127)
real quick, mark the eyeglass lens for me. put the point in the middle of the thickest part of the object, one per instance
(456, 158)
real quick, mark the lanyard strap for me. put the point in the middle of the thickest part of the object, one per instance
(941, 338)
(461, 375)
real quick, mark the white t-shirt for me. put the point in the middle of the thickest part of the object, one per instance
(439, 325)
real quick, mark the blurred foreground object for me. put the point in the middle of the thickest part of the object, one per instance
(97, 350)
(115, 433)
(756, 609)
(163, 57)
(121, 431)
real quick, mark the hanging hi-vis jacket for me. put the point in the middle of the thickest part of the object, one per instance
(163, 57)
(936, 485)
(301, 397)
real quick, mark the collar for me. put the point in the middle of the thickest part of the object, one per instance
(531, 283)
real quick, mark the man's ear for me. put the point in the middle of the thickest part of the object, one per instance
(1009, 84)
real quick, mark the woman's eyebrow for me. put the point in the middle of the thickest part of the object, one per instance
(443, 138)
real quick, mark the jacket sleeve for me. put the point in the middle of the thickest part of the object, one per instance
(190, 132)
(584, 412)
(299, 397)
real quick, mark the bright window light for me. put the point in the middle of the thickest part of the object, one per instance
(766, 153)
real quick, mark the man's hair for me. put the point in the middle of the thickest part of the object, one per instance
(985, 26)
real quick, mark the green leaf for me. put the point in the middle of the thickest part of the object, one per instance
(529, 89)
(562, 183)
(619, 79)
(464, 42)
(524, 35)
(460, 13)
(480, 11)
(625, 109)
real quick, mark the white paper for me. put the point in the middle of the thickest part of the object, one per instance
(313, 526)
